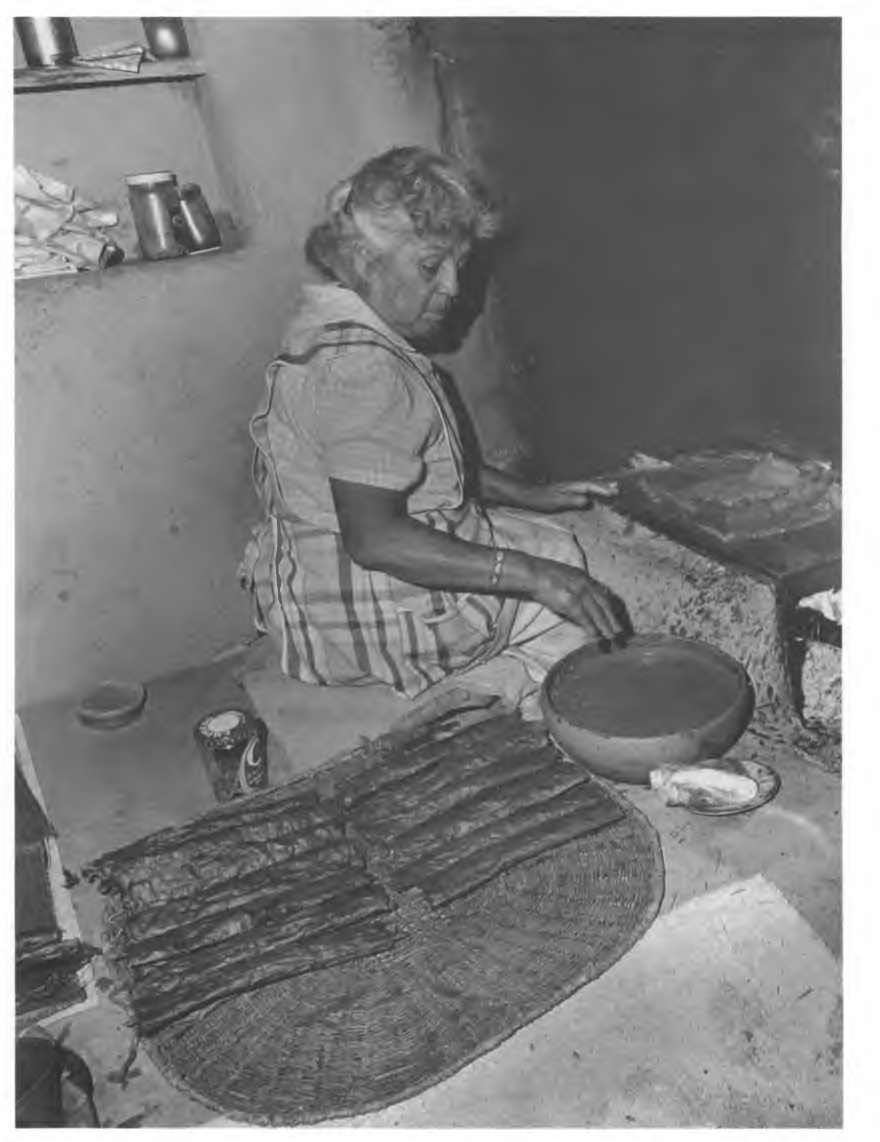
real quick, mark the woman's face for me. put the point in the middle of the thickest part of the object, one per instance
(414, 282)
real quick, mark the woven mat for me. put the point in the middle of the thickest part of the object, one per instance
(464, 919)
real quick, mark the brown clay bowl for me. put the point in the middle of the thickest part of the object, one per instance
(660, 700)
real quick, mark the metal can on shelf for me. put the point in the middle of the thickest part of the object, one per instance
(232, 744)
(201, 229)
(158, 217)
(46, 41)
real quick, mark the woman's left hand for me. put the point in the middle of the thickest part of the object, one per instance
(506, 490)
(571, 495)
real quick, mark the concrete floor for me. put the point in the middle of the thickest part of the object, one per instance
(772, 982)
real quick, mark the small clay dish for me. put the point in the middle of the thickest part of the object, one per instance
(657, 701)
(112, 705)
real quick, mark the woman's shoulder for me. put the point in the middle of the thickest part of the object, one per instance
(332, 353)
(334, 314)
(334, 359)
(366, 372)
(343, 385)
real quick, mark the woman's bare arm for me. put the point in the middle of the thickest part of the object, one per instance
(380, 535)
(497, 487)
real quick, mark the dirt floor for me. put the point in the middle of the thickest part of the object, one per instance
(728, 1012)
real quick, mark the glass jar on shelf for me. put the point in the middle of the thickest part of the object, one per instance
(166, 37)
(46, 41)
(202, 233)
(158, 215)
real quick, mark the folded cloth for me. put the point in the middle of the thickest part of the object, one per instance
(84, 249)
(56, 231)
(114, 57)
(33, 220)
(828, 603)
(39, 261)
(93, 219)
(682, 786)
(504, 676)
(40, 187)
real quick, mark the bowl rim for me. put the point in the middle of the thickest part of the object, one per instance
(640, 742)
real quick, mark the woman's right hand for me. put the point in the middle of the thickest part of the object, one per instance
(379, 534)
(572, 593)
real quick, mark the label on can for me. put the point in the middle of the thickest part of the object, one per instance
(252, 771)
(233, 748)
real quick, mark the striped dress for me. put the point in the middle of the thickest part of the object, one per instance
(348, 398)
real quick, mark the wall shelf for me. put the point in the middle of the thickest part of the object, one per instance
(43, 79)
(232, 244)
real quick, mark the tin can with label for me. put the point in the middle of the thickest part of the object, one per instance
(232, 744)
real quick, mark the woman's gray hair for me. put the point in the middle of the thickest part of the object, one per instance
(442, 199)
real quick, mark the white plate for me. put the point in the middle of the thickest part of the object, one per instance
(766, 779)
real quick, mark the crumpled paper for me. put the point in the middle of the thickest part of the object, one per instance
(57, 231)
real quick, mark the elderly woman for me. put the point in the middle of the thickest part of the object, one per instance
(380, 558)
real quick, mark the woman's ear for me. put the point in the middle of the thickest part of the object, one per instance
(364, 259)
(338, 197)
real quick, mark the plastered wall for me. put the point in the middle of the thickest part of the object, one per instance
(134, 388)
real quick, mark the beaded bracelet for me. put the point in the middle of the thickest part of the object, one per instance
(495, 577)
